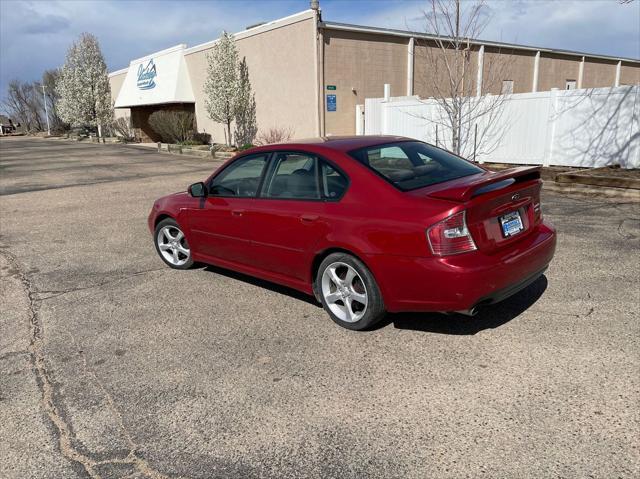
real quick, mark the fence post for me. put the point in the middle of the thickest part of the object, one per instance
(159, 147)
(551, 128)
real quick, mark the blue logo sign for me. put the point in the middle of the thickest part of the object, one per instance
(332, 104)
(147, 76)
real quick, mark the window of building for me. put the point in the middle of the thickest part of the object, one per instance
(295, 176)
(241, 178)
(507, 87)
(570, 85)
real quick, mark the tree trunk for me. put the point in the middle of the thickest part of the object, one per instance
(229, 133)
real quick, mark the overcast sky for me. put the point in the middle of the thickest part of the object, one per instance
(34, 35)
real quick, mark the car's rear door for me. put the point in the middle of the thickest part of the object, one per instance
(220, 226)
(289, 217)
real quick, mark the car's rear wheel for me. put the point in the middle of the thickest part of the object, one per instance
(348, 292)
(172, 245)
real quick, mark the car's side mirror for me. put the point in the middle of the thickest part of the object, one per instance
(198, 190)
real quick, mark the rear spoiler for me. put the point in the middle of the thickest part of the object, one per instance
(463, 189)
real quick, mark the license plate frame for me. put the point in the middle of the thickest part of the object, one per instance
(511, 224)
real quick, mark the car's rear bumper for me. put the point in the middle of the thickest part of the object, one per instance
(461, 282)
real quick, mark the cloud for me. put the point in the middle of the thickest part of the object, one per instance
(34, 36)
(36, 23)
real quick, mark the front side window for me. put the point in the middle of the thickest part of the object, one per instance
(295, 176)
(410, 165)
(241, 178)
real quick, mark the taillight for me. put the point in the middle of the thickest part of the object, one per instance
(537, 211)
(451, 236)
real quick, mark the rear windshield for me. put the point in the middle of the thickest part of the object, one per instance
(409, 165)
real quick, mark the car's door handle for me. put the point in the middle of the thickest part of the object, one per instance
(308, 218)
(237, 212)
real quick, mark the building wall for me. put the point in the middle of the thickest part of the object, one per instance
(430, 69)
(598, 73)
(358, 65)
(506, 64)
(555, 70)
(630, 74)
(115, 82)
(282, 70)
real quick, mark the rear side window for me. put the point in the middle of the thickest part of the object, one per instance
(303, 176)
(295, 176)
(410, 165)
(334, 183)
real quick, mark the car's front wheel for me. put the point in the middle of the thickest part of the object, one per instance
(172, 245)
(348, 292)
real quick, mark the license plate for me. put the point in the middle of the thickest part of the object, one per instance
(511, 224)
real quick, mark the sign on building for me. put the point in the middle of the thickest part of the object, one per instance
(332, 104)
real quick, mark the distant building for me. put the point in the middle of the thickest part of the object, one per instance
(308, 74)
(7, 126)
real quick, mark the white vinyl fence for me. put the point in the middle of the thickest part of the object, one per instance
(586, 128)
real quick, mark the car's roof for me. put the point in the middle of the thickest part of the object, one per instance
(341, 143)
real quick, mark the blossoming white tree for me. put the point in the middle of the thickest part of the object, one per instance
(221, 87)
(83, 87)
(246, 127)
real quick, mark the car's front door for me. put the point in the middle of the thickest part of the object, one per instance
(290, 216)
(220, 226)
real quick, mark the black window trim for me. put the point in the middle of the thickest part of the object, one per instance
(355, 153)
(269, 171)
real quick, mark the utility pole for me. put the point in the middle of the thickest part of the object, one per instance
(46, 110)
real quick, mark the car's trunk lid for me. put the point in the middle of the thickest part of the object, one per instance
(501, 207)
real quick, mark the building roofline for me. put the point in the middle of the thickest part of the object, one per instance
(122, 71)
(408, 34)
(258, 29)
(249, 32)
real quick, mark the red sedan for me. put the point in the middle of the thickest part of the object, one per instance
(366, 224)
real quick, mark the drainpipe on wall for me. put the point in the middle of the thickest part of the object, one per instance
(618, 71)
(319, 67)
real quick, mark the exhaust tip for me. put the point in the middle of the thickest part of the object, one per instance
(469, 312)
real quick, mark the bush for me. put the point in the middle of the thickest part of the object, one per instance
(273, 135)
(172, 126)
(201, 138)
(122, 128)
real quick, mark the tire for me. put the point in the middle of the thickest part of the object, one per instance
(171, 245)
(349, 292)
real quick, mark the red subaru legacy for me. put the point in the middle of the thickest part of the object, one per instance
(366, 224)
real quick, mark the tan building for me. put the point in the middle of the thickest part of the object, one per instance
(308, 74)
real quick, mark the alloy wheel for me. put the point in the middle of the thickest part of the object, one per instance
(173, 245)
(344, 292)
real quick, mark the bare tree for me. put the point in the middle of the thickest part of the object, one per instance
(23, 103)
(449, 73)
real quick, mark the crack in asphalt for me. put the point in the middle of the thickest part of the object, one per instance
(53, 293)
(11, 354)
(48, 390)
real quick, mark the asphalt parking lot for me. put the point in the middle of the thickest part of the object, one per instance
(113, 365)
